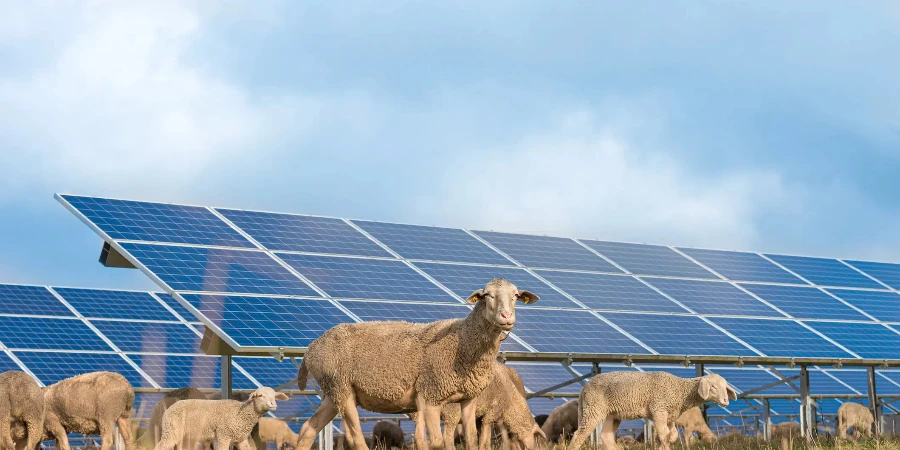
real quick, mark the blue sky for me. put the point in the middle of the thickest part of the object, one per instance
(769, 126)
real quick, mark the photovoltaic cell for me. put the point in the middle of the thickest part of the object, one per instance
(366, 278)
(866, 340)
(537, 377)
(49, 334)
(543, 405)
(742, 266)
(218, 270)
(432, 243)
(272, 373)
(889, 386)
(303, 233)
(268, 322)
(825, 272)
(150, 337)
(51, 367)
(859, 381)
(747, 379)
(179, 309)
(157, 222)
(106, 304)
(7, 364)
(464, 279)
(299, 406)
(679, 335)
(610, 292)
(547, 252)
(176, 371)
(709, 297)
(571, 331)
(35, 300)
(781, 338)
(884, 306)
(804, 302)
(887, 273)
(819, 382)
(641, 259)
(144, 404)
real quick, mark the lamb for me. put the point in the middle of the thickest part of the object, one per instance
(255, 441)
(185, 393)
(91, 403)
(228, 422)
(659, 396)
(856, 416)
(388, 435)
(691, 421)
(21, 400)
(562, 422)
(277, 431)
(448, 361)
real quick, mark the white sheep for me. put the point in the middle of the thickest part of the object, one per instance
(228, 422)
(276, 431)
(401, 367)
(155, 428)
(856, 416)
(613, 397)
(562, 422)
(21, 401)
(89, 404)
(692, 421)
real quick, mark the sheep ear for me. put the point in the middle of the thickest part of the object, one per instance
(281, 396)
(477, 295)
(703, 388)
(539, 432)
(731, 394)
(527, 297)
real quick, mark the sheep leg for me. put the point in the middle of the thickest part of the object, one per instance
(323, 415)
(661, 424)
(608, 433)
(124, 424)
(484, 441)
(6, 434)
(432, 416)
(451, 420)
(107, 436)
(52, 424)
(467, 407)
(351, 423)
(589, 420)
(504, 436)
(419, 437)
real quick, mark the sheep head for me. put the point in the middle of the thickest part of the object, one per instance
(263, 399)
(499, 297)
(714, 388)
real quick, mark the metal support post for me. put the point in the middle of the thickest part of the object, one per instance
(326, 437)
(874, 403)
(767, 420)
(700, 372)
(226, 377)
(120, 442)
(807, 413)
(648, 433)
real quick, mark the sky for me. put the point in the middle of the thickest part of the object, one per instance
(765, 126)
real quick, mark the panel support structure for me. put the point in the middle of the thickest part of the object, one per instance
(326, 437)
(874, 403)
(767, 420)
(807, 410)
(226, 377)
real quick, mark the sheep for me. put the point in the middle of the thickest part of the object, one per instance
(91, 403)
(658, 396)
(691, 421)
(388, 435)
(785, 432)
(185, 393)
(856, 416)
(228, 422)
(448, 361)
(540, 419)
(277, 431)
(626, 440)
(255, 440)
(21, 400)
(562, 422)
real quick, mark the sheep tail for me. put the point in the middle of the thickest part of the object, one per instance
(302, 375)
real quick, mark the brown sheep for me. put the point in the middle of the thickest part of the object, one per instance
(856, 416)
(448, 361)
(562, 422)
(185, 393)
(21, 401)
(91, 403)
(691, 421)
(388, 435)
(276, 431)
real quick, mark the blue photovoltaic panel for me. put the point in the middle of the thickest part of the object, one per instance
(537, 377)
(859, 381)
(825, 272)
(15, 299)
(51, 367)
(157, 222)
(547, 252)
(679, 335)
(550, 330)
(709, 297)
(179, 309)
(780, 338)
(543, 405)
(464, 279)
(432, 243)
(269, 372)
(819, 382)
(742, 266)
(610, 292)
(303, 233)
(890, 386)
(106, 304)
(150, 337)
(299, 406)
(49, 334)
(804, 302)
(887, 273)
(269, 322)
(884, 306)
(7, 364)
(218, 270)
(366, 278)
(144, 404)
(747, 379)
(177, 371)
(641, 259)
(866, 340)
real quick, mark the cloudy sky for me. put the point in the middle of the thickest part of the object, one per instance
(769, 126)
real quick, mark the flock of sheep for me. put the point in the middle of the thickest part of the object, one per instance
(440, 371)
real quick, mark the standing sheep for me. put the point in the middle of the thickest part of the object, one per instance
(562, 422)
(658, 396)
(856, 416)
(186, 393)
(276, 431)
(691, 421)
(91, 403)
(255, 441)
(228, 422)
(21, 400)
(448, 361)
(388, 435)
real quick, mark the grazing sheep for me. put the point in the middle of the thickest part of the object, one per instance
(255, 440)
(785, 432)
(228, 422)
(562, 422)
(277, 431)
(540, 419)
(856, 416)
(185, 393)
(21, 400)
(388, 435)
(626, 440)
(20, 436)
(91, 403)
(658, 396)
(448, 361)
(691, 421)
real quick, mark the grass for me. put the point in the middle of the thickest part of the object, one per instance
(739, 442)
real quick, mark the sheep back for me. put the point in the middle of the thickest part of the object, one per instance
(562, 422)
(186, 393)
(634, 395)
(80, 403)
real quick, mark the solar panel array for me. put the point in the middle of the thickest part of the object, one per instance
(262, 280)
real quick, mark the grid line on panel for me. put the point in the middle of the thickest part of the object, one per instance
(887, 274)
(882, 305)
(547, 252)
(679, 335)
(610, 292)
(804, 302)
(871, 341)
(49, 367)
(784, 338)
(549, 330)
(741, 266)
(31, 300)
(431, 243)
(174, 307)
(149, 337)
(49, 334)
(643, 259)
(824, 271)
(883, 285)
(712, 297)
(175, 371)
(8, 362)
(111, 304)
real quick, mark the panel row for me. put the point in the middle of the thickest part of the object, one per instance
(90, 303)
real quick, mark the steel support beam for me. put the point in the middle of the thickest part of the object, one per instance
(226, 377)
(874, 403)
(326, 437)
(807, 411)
(767, 420)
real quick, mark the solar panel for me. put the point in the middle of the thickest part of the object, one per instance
(742, 266)
(892, 377)
(610, 292)
(366, 278)
(571, 331)
(465, 279)
(825, 272)
(16, 299)
(747, 379)
(177, 371)
(268, 321)
(149, 337)
(819, 382)
(679, 335)
(641, 259)
(432, 243)
(107, 304)
(880, 305)
(7, 363)
(179, 309)
(218, 270)
(805, 302)
(537, 377)
(707, 297)
(782, 338)
(157, 222)
(144, 404)
(547, 252)
(302, 406)
(859, 381)
(41, 333)
(866, 340)
(51, 367)
(543, 405)
(269, 372)
(887, 273)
